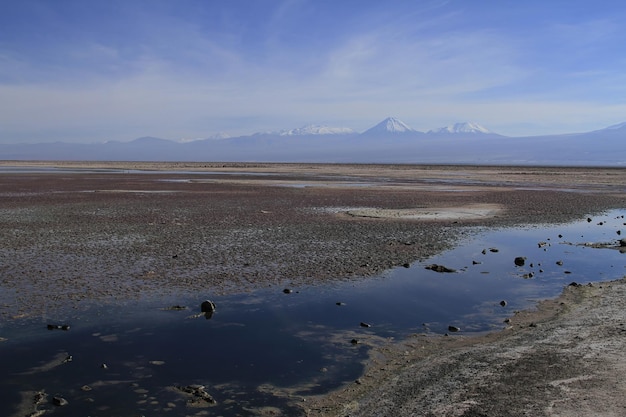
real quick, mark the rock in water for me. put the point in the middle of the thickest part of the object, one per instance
(440, 268)
(207, 306)
(59, 401)
(520, 260)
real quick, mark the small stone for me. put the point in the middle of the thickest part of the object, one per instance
(503, 303)
(354, 341)
(59, 401)
(207, 306)
(439, 268)
(520, 260)
(104, 366)
(494, 250)
(454, 329)
(287, 290)
(559, 263)
(363, 324)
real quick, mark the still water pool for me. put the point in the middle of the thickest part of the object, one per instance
(127, 359)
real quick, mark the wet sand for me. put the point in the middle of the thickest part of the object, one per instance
(73, 237)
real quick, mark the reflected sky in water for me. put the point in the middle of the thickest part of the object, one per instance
(301, 340)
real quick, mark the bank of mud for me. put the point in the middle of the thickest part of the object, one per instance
(74, 238)
(70, 238)
(563, 359)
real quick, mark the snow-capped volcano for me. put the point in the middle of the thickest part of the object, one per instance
(465, 127)
(316, 130)
(390, 125)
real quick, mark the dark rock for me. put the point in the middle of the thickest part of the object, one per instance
(198, 394)
(207, 306)
(503, 303)
(363, 324)
(454, 329)
(494, 250)
(406, 265)
(58, 326)
(104, 366)
(528, 275)
(339, 303)
(354, 341)
(588, 219)
(622, 243)
(59, 401)
(287, 290)
(520, 260)
(476, 263)
(559, 263)
(440, 268)
(176, 307)
(574, 284)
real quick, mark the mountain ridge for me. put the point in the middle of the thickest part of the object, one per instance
(393, 141)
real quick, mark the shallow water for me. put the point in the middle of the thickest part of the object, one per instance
(302, 340)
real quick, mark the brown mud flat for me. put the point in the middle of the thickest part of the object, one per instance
(87, 233)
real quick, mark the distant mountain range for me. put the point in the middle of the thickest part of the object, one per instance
(390, 141)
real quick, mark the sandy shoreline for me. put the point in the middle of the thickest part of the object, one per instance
(71, 238)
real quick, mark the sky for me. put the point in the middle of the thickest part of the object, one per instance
(90, 71)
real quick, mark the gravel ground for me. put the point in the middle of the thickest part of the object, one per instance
(74, 237)
(70, 238)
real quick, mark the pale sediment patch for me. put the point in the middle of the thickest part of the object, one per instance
(467, 212)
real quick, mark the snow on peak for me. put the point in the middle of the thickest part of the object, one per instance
(316, 130)
(465, 127)
(391, 125)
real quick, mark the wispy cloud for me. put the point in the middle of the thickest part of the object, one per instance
(135, 68)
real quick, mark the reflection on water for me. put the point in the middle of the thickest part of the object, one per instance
(129, 359)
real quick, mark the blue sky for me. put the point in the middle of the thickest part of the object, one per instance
(119, 69)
